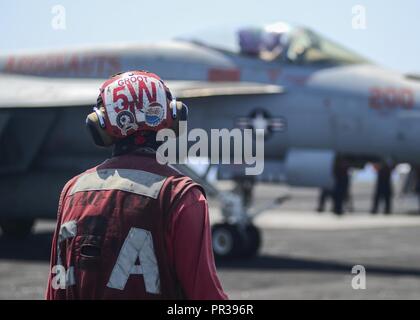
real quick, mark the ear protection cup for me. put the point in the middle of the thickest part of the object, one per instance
(172, 107)
(180, 110)
(95, 126)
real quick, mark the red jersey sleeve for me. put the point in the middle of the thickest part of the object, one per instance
(50, 292)
(190, 248)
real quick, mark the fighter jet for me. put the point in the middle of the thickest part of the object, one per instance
(315, 100)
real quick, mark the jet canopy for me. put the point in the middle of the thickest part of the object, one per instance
(279, 42)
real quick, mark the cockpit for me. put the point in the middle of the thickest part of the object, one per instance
(280, 42)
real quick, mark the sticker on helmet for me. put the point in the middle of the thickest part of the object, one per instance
(154, 114)
(126, 121)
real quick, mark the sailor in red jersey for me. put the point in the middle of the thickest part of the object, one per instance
(132, 228)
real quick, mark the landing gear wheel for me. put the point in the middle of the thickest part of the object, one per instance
(227, 241)
(16, 228)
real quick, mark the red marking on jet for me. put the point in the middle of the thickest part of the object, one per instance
(215, 74)
(61, 64)
(391, 98)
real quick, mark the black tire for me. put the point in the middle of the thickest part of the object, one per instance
(16, 228)
(253, 241)
(227, 241)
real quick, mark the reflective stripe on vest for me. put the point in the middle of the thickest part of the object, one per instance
(138, 244)
(135, 181)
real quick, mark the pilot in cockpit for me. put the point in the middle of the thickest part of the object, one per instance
(268, 43)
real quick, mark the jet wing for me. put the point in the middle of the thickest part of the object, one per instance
(34, 92)
(202, 89)
(40, 92)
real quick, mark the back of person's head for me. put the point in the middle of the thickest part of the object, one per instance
(131, 108)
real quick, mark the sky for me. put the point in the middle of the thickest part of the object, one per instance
(390, 37)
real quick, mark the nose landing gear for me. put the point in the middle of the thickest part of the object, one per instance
(236, 236)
